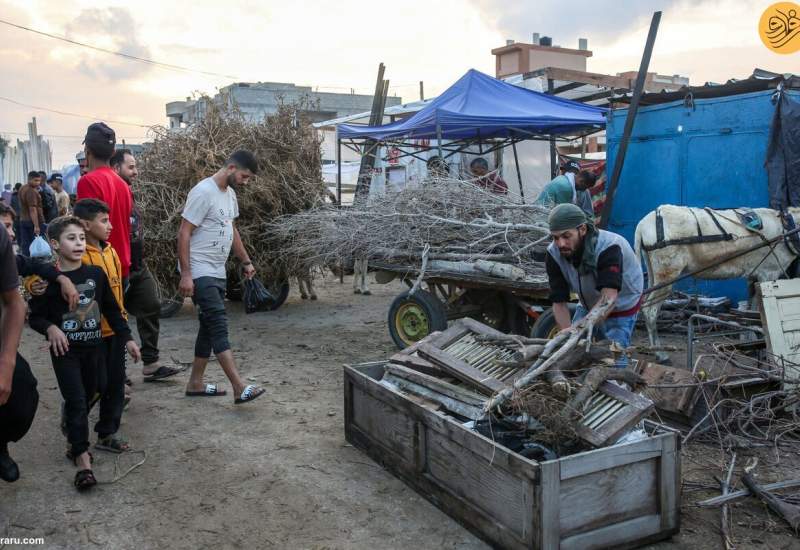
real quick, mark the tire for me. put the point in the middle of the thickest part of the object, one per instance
(412, 318)
(545, 326)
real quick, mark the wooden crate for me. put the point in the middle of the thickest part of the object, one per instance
(621, 496)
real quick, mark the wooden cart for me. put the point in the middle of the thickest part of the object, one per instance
(509, 306)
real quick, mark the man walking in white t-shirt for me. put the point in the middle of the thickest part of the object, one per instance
(205, 239)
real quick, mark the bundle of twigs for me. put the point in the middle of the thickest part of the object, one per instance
(289, 180)
(445, 223)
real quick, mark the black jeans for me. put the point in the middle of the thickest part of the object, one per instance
(77, 375)
(141, 301)
(111, 376)
(209, 297)
(16, 416)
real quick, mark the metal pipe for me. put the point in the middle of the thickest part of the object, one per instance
(629, 120)
(519, 176)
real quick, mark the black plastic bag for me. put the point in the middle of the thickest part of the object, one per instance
(256, 297)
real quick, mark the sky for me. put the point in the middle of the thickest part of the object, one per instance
(332, 45)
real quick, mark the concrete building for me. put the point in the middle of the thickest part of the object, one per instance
(32, 154)
(258, 99)
(520, 58)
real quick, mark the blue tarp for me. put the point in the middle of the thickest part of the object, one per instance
(479, 106)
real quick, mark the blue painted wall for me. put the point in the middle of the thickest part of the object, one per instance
(710, 153)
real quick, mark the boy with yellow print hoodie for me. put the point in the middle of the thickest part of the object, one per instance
(94, 214)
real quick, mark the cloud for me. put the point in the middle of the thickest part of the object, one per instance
(566, 22)
(113, 29)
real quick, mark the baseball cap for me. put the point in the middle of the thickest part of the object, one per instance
(100, 133)
(80, 155)
(54, 176)
(571, 165)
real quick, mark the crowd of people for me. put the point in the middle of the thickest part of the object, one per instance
(97, 274)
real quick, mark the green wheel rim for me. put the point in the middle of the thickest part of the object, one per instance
(411, 323)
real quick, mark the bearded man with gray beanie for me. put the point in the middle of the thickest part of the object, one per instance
(596, 265)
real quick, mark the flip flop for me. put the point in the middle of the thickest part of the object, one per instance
(210, 391)
(161, 373)
(250, 393)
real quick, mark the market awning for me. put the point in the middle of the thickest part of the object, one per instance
(480, 107)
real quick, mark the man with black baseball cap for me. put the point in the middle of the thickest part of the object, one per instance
(571, 187)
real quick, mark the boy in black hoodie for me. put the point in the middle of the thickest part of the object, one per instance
(75, 336)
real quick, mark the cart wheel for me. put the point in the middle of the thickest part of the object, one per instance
(412, 318)
(545, 326)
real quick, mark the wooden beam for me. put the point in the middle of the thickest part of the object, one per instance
(571, 75)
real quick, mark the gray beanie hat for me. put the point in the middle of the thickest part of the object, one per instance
(566, 216)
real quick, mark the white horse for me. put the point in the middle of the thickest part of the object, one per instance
(675, 249)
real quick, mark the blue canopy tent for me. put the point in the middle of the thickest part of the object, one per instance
(480, 110)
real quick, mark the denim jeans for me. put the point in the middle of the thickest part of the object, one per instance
(209, 297)
(616, 329)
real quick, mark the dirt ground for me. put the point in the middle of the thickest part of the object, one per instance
(276, 473)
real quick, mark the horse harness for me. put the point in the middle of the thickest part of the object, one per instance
(747, 219)
(699, 238)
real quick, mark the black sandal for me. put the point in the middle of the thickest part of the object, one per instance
(160, 373)
(84, 479)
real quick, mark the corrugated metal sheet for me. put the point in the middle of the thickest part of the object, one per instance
(707, 152)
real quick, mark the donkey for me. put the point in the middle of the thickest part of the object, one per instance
(677, 239)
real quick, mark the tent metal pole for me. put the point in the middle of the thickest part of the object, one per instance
(338, 170)
(553, 152)
(439, 139)
(519, 176)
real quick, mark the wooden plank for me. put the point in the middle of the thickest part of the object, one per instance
(612, 457)
(417, 393)
(670, 485)
(389, 426)
(479, 328)
(738, 495)
(451, 390)
(495, 491)
(609, 496)
(549, 505)
(461, 370)
(616, 535)
(418, 364)
(596, 79)
(780, 301)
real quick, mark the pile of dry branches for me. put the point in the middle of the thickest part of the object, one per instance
(438, 224)
(288, 152)
(746, 407)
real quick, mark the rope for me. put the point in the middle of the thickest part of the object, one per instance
(117, 475)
